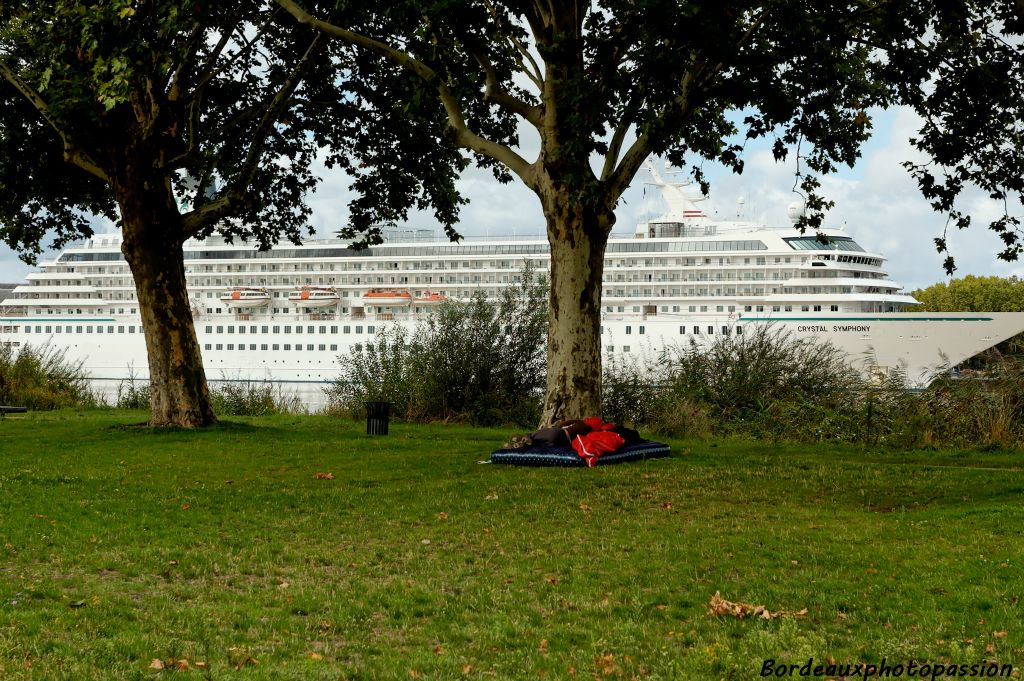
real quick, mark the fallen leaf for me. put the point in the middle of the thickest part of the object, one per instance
(81, 604)
(467, 668)
(200, 665)
(324, 476)
(990, 648)
(414, 674)
(283, 584)
(551, 579)
(543, 645)
(185, 507)
(491, 497)
(584, 507)
(229, 482)
(315, 656)
(719, 606)
(156, 664)
(794, 563)
(181, 665)
(660, 606)
(666, 505)
(172, 562)
(248, 661)
(439, 650)
(487, 530)
(442, 516)
(425, 542)
(999, 634)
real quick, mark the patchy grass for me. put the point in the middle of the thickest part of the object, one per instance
(120, 545)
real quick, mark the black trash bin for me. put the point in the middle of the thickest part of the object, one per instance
(377, 417)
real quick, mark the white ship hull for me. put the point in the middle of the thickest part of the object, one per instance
(917, 344)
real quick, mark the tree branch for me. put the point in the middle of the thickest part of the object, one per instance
(353, 38)
(612, 157)
(174, 84)
(73, 153)
(208, 72)
(497, 94)
(464, 137)
(194, 221)
(641, 148)
(695, 79)
(534, 72)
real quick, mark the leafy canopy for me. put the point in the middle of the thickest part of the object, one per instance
(606, 84)
(233, 93)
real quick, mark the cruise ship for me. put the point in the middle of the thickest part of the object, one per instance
(285, 315)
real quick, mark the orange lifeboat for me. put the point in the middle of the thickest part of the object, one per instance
(385, 297)
(239, 297)
(429, 298)
(314, 296)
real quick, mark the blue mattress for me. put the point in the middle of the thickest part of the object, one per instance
(567, 456)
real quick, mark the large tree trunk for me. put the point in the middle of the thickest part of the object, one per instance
(578, 238)
(152, 246)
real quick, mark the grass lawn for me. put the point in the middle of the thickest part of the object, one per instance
(120, 546)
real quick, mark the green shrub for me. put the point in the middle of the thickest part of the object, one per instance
(767, 385)
(42, 378)
(252, 398)
(132, 393)
(476, 361)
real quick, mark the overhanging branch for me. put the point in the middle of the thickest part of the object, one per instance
(500, 96)
(464, 137)
(194, 221)
(73, 153)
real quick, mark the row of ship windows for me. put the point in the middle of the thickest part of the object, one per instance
(263, 347)
(289, 329)
(476, 279)
(90, 328)
(370, 329)
(425, 251)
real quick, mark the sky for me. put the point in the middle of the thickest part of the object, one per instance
(877, 202)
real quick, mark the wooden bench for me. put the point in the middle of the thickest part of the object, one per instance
(12, 410)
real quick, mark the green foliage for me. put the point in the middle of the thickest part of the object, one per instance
(132, 393)
(220, 91)
(253, 398)
(42, 378)
(626, 390)
(697, 81)
(480, 361)
(231, 398)
(973, 294)
(766, 385)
